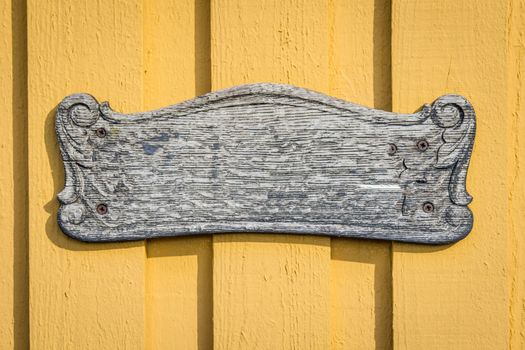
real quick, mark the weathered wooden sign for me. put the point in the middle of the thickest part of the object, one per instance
(265, 158)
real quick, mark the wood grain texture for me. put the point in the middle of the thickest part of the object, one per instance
(456, 297)
(270, 291)
(516, 176)
(81, 296)
(265, 158)
(360, 270)
(178, 270)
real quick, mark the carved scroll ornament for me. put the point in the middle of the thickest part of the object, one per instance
(265, 158)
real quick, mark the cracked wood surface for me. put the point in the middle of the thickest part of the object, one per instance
(266, 158)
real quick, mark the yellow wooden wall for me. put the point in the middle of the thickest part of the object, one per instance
(244, 291)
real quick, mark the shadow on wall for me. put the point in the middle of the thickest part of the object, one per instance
(159, 272)
(371, 256)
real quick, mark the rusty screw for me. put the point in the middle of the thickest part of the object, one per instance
(428, 207)
(392, 149)
(102, 209)
(422, 145)
(101, 132)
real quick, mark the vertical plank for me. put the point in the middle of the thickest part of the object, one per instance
(14, 322)
(6, 179)
(361, 288)
(516, 179)
(270, 291)
(179, 270)
(81, 295)
(456, 297)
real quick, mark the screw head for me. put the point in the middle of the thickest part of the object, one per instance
(102, 209)
(101, 132)
(391, 149)
(428, 207)
(422, 145)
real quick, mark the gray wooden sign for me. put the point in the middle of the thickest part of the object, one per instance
(265, 158)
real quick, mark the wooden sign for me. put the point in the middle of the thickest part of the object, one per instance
(265, 158)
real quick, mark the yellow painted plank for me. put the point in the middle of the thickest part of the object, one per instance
(456, 297)
(270, 41)
(14, 316)
(361, 294)
(361, 287)
(82, 296)
(516, 180)
(179, 294)
(179, 270)
(270, 291)
(359, 52)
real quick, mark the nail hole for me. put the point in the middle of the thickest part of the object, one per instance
(392, 149)
(101, 132)
(102, 209)
(428, 207)
(422, 145)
